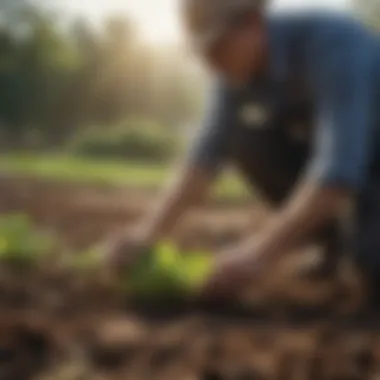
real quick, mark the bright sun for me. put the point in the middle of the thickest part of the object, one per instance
(157, 19)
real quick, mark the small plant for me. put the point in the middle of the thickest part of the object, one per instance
(21, 244)
(161, 272)
(164, 271)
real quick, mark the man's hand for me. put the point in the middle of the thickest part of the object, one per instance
(124, 248)
(309, 208)
(234, 269)
(189, 187)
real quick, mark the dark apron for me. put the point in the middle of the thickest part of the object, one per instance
(266, 152)
(272, 161)
(271, 158)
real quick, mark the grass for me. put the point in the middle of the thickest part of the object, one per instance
(111, 173)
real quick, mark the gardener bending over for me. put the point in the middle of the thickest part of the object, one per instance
(296, 108)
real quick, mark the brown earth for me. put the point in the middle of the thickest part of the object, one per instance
(54, 325)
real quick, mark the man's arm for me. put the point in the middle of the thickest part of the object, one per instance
(207, 154)
(188, 188)
(337, 170)
(308, 208)
(342, 149)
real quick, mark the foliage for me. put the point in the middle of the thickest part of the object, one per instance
(164, 271)
(21, 244)
(55, 80)
(108, 173)
(34, 70)
(137, 140)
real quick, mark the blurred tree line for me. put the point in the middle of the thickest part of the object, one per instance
(56, 77)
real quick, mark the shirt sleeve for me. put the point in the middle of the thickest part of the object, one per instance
(344, 115)
(209, 149)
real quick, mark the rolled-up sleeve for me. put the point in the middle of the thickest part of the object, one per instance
(209, 149)
(342, 145)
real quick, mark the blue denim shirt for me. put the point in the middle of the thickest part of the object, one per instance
(340, 61)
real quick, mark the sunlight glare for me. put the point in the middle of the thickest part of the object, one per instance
(158, 19)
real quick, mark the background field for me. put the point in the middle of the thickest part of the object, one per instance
(109, 173)
(50, 315)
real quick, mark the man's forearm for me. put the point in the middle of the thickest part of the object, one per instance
(308, 210)
(187, 189)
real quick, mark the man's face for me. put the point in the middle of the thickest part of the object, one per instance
(237, 53)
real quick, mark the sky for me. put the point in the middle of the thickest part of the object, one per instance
(158, 19)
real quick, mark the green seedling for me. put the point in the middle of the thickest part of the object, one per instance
(164, 271)
(21, 245)
(196, 269)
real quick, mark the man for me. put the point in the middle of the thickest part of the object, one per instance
(276, 76)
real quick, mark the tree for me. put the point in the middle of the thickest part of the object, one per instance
(57, 80)
(33, 70)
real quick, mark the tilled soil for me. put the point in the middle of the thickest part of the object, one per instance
(54, 325)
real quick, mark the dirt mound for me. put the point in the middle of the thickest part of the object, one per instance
(128, 346)
(56, 325)
(82, 213)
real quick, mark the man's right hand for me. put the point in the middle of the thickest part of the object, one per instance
(124, 248)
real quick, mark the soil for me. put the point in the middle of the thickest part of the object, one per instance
(54, 325)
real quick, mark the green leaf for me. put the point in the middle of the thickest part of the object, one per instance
(166, 272)
(20, 242)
